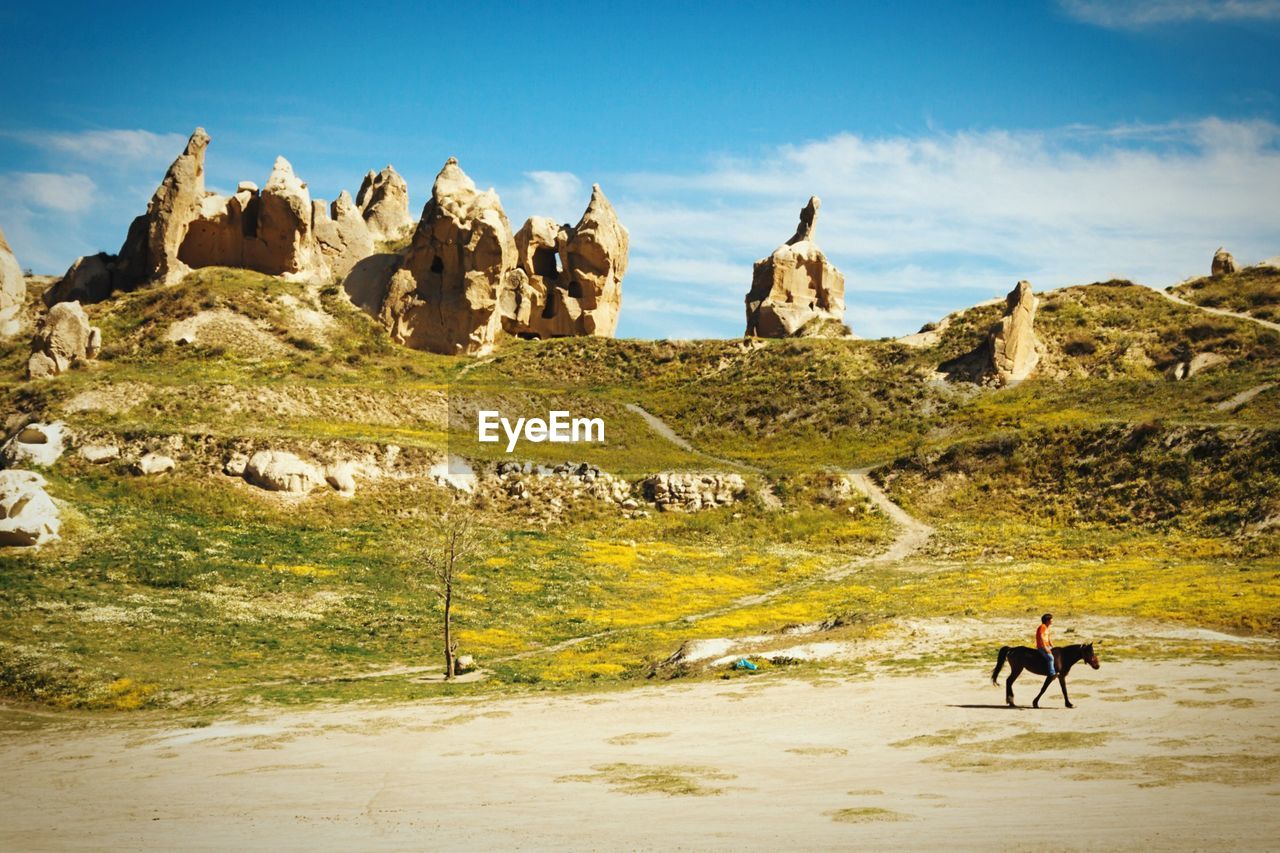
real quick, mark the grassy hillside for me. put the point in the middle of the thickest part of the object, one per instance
(196, 589)
(1254, 291)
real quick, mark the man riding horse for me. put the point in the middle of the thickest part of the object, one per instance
(1044, 660)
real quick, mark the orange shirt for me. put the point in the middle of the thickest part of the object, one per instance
(1042, 637)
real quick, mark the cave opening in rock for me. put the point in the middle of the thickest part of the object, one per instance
(437, 265)
(546, 263)
(249, 217)
(575, 289)
(549, 310)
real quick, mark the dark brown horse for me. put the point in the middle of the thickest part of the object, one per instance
(1022, 657)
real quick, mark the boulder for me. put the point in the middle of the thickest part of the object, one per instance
(152, 464)
(679, 491)
(28, 516)
(13, 291)
(341, 477)
(97, 454)
(444, 295)
(383, 201)
(1199, 363)
(235, 465)
(344, 238)
(1015, 352)
(64, 337)
(89, 279)
(569, 279)
(1223, 263)
(796, 287)
(280, 471)
(35, 444)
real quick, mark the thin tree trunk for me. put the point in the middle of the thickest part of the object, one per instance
(448, 641)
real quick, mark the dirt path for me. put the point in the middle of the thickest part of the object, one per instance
(1221, 312)
(912, 532)
(659, 426)
(1156, 756)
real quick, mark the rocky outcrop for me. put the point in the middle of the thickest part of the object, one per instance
(678, 491)
(522, 481)
(444, 295)
(64, 337)
(796, 288)
(465, 276)
(1199, 363)
(1015, 352)
(285, 244)
(151, 464)
(13, 291)
(153, 244)
(28, 516)
(35, 444)
(569, 280)
(280, 471)
(383, 201)
(99, 454)
(276, 230)
(342, 234)
(1223, 263)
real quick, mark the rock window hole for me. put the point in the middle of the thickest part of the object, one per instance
(546, 263)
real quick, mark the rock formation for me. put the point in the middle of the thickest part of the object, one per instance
(795, 286)
(28, 516)
(444, 295)
(13, 291)
(383, 200)
(35, 444)
(64, 337)
(99, 454)
(280, 471)
(151, 464)
(569, 280)
(675, 491)
(1014, 348)
(1223, 263)
(342, 234)
(276, 230)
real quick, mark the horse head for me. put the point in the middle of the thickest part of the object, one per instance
(1088, 654)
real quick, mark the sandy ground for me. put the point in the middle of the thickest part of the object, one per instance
(1156, 755)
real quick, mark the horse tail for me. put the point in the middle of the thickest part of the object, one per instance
(995, 673)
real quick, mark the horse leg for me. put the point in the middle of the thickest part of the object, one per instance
(1035, 703)
(1014, 671)
(1062, 679)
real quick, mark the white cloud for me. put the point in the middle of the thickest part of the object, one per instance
(49, 191)
(558, 195)
(926, 224)
(1136, 14)
(125, 148)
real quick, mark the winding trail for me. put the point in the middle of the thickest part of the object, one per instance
(1221, 312)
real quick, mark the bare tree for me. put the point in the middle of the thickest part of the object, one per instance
(454, 542)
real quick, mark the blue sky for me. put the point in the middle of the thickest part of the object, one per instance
(957, 147)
